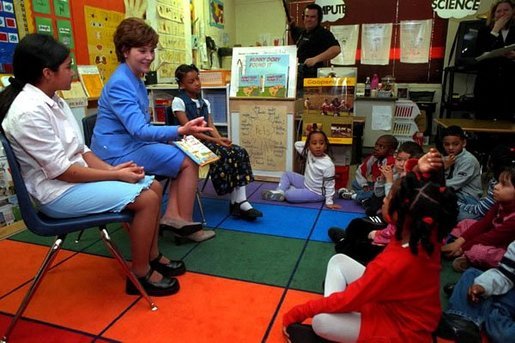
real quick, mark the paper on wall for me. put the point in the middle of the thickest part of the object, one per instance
(347, 36)
(415, 40)
(381, 118)
(375, 43)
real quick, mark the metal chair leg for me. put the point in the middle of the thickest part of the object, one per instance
(51, 255)
(118, 256)
(79, 237)
(201, 207)
(206, 179)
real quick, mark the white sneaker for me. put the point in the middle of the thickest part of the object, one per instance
(345, 193)
(272, 195)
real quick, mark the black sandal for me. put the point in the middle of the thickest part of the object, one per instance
(250, 215)
(166, 286)
(172, 268)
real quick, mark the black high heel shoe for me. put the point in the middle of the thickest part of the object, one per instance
(172, 268)
(182, 231)
(166, 286)
(250, 215)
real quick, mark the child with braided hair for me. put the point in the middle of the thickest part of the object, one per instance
(359, 304)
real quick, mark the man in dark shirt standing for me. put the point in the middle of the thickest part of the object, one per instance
(315, 44)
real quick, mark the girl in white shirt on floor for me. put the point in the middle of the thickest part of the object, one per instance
(317, 183)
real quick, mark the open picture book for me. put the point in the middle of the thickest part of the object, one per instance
(196, 150)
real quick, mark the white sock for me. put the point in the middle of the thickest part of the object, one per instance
(277, 191)
(238, 195)
(353, 196)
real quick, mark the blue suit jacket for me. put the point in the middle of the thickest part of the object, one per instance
(123, 122)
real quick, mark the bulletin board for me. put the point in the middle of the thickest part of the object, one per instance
(8, 32)
(94, 22)
(52, 17)
(171, 19)
(265, 128)
(394, 12)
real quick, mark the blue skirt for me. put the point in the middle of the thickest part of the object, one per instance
(95, 197)
(157, 159)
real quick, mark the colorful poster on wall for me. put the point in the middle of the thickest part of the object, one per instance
(64, 33)
(171, 20)
(44, 25)
(264, 76)
(216, 13)
(41, 6)
(267, 71)
(62, 8)
(100, 27)
(8, 32)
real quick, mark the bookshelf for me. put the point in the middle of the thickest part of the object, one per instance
(161, 97)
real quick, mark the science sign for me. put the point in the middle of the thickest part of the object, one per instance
(332, 9)
(455, 8)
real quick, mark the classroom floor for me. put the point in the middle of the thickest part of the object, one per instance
(237, 287)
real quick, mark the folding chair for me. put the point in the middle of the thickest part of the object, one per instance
(42, 225)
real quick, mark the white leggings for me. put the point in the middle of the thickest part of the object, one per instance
(340, 327)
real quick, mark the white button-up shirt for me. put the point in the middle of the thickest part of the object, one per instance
(46, 140)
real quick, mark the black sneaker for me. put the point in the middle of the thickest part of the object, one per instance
(303, 333)
(336, 234)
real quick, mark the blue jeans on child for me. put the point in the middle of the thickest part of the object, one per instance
(360, 193)
(496, 313)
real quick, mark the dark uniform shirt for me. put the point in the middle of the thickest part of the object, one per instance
(312, 43)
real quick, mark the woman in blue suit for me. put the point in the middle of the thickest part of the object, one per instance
(123, 131)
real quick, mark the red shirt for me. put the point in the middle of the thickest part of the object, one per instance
(397, 296)
(496, 228)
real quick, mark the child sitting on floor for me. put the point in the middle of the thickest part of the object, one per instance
(501, 158)
(462, 169)
(482, 301)
(396, 297)
(369, 172)
(366, 237)
(389, 174)
(317, 183)
(484, 243)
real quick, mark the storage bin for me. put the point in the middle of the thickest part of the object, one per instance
(341, 176)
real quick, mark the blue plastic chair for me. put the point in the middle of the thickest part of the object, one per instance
(42, 225)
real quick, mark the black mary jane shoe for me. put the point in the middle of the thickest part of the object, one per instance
(250, 215)
(166, 286)
(183, 231)
(457, 328)
(172, 268)
(303, 333)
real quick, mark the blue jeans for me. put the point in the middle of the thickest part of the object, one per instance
(495, 312)
(500, 324)
(459, 303)
(360, 193)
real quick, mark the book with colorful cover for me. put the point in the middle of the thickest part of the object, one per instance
(196, 150)
(249, 85)
(275, 85)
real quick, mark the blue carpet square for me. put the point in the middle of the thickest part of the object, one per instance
(282, 221)
(330, 218)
